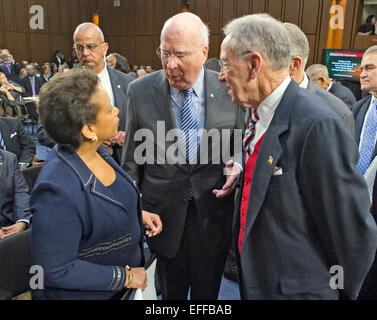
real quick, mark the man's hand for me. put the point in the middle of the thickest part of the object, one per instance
(152, 223)
(6, 232)
(233, 173)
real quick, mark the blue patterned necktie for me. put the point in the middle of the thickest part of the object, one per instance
(189, 125)
(369, 138)
(2, 143)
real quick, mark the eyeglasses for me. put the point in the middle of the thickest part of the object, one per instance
(165, 55)
(224, 64)
(91, 47)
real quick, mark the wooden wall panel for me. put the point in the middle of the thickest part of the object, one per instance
(242, 8)
(292, 11)
(9, 17)
(38, 43)
(311, 14)
(15, 43)
(258, 6)
(275, 8)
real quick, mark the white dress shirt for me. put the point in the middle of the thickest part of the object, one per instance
(105, 82)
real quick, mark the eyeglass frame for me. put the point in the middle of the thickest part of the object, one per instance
(180, 56)
(223, 64)
(85, 46)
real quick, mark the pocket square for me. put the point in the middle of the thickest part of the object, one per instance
(278, 171)
(13, 134)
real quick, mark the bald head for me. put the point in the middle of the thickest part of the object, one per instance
(319, 74)
(178, 24)
(89, 27)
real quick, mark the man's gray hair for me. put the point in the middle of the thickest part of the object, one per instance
(299, 42)
(372, 49)
(87, 26)
(317, 70)
(261, 33)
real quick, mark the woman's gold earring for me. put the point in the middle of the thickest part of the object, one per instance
(95, 139)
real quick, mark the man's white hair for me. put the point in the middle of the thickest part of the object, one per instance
(299, 42)
(261, 33)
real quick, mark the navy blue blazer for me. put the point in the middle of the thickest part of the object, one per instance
(343, 93)
(14, 192)
(310, 215)
(81, 236)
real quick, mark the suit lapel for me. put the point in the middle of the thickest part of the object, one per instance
(268, 156)
(116, 86)
(359, 119)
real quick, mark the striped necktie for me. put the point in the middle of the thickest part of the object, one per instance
(2, 143)
(250, 133)
(368, 140)
(189, 126)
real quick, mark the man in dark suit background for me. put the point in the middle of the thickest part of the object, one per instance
(91, 50)
(31, 82)
(300, 55)
(15, 214)
(10, 68)
(320, 75)
(364, 111)
(193, 196)
(294, 223)
(14, 139)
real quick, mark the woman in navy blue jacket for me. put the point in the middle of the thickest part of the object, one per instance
(87, 227)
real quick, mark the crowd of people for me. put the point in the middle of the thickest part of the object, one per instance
(285, 192)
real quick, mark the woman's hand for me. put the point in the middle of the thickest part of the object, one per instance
(136, 278)
(152, 223)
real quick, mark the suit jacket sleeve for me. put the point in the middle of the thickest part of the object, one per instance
(340, 212)
(21, 203)
(27, 145)
(128, 162)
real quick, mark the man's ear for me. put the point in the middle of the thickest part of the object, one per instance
(254, 64)
(296, 63)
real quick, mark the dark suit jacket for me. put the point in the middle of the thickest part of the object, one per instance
(359, 110)
(14, 72)
(166, 187)
(25, 82)
(336, 105)
(311, 217)
(343, 93)
(119, 83)
(17, 140)
(14, 193)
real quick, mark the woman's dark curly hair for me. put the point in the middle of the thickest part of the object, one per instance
(65, 106)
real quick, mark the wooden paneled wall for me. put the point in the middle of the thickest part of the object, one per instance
(60, 19)
(133, 28)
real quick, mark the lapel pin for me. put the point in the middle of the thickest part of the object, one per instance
(118, 86)
(212, 95)
(270, 160)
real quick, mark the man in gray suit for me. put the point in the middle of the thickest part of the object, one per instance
(303, 216)
(91, 50)
(300, 55)
(192, 195)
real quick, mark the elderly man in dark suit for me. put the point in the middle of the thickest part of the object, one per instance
(91, 50)
(303, 208)
(300, 55)
(194, 197)
(15, 214)
(320, 75)
(13, 138)
(365, 112)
